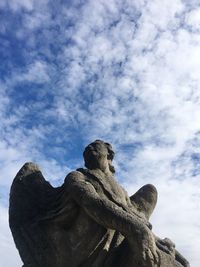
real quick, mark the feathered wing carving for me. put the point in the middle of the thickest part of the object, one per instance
(36, 210)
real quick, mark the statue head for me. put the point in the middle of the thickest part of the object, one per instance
(99, 155)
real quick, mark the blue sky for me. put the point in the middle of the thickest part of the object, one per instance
(124, 71)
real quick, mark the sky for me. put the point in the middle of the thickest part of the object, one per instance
(124, 71)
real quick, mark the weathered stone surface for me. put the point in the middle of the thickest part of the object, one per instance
(90, 221)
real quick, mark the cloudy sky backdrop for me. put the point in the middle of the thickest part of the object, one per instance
(125, 71)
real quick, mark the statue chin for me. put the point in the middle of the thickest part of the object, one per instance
(89, 221)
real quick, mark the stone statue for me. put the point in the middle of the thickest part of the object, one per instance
(90, 221)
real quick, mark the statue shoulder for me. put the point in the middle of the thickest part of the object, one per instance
(74, 176)
(75, 180)
(78, 186)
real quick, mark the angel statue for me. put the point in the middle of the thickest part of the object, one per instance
(89, 221)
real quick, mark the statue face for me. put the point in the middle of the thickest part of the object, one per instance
(99, 155)
(95, 155)
(95, 150)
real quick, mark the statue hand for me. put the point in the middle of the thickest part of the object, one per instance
(148, 249)
(141, 218)
(146, 222)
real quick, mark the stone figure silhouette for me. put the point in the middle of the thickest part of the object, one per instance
(90, 221)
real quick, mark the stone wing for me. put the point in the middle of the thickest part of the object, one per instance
(35, 208)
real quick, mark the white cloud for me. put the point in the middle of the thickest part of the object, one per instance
(8, 253)
(16, 5)
(193, 19)
(36, 20)
(37, 72)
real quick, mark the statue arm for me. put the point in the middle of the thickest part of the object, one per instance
(109, 214)
(101, 209)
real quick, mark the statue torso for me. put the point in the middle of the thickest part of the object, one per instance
(84, 227)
